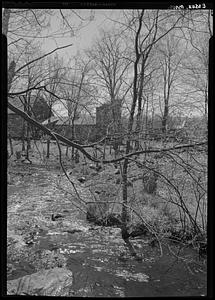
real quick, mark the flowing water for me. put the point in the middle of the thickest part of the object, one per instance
(103, 267)
(101, 263)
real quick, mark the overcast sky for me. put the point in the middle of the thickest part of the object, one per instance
(84, 37)
(81, 40)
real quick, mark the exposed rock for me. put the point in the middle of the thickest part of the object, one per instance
(53, 282)
(82, 179)
(69, 172)
(117, 172)
(91, 166)
(56, 216)
(26, 161)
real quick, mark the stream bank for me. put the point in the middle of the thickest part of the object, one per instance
(97, 257)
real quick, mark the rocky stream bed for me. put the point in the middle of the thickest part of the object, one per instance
(68, 256)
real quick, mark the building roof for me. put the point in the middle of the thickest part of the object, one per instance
(82, 120)
(18, 102)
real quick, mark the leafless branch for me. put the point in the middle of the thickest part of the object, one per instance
(41, 57)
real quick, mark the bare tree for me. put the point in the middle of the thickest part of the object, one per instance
(157, 32)
(74, 100)
(196, 66)
(146, 30)
(111, 68)
(26, 29)
(171, 53)
(56, 71)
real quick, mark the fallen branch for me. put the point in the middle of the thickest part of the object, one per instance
(51, 133)
(81, 148)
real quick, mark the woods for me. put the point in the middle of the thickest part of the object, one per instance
(129, 105)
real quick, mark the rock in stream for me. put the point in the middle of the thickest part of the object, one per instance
(53, 282)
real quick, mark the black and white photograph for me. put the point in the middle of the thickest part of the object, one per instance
(107, 111)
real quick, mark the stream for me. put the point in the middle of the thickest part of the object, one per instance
(102, 267)
(100, 261)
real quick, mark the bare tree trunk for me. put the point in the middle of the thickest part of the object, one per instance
(125, 195)
(67, 134)
(125, 214)
(26, 126)
(48, 138)
(165, 117)
(48, 147)
(12, 66)
(104, 151)
(11, 73)
(116, 115)
(11, 145)
(67, 149)
(73, 137)
(23, 135)
(28, 130)
(140, 108)
(28, 141)
(147, 128)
